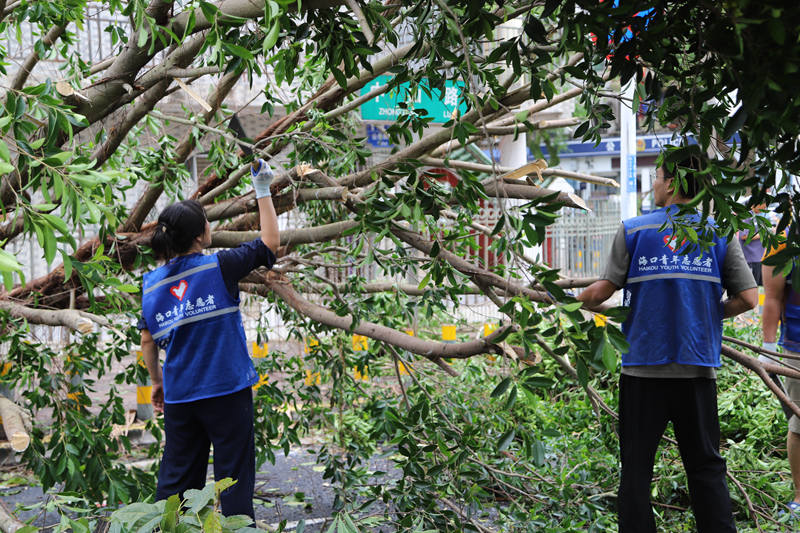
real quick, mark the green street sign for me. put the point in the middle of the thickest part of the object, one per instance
(386, 107)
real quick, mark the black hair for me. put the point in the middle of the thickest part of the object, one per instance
(690, 185)
(178, 226)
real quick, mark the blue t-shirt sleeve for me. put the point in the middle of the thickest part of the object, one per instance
(238, 262)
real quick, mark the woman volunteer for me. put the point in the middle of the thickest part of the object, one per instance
(190, 308)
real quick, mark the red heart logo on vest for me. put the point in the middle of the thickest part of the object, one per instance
(670, 241)
(179, 291)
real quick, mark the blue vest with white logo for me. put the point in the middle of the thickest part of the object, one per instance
(192, 316)
(675, 299)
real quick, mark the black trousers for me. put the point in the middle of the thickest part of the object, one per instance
(645, 407)
(190, 428)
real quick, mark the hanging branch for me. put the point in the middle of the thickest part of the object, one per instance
(148, 200)
(431, 350)
(27, 67)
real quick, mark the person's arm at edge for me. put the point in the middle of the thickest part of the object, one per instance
(773, 303)
(597, 293)
(740, 302)
(616, 270)
(150, 356)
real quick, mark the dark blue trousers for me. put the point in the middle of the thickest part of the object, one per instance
(190, 428)
(646, 405)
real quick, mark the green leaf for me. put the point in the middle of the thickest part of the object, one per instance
(339, 76)
(501, 387)
(142, 38)
(583, 372)
(58, 159)
(5, 168)
(272, 36)
(212, 523)
(8, 262)
(735, 123)
(506, 439)
(424, 281)
(170, 517)
(67, 260)
(572, 306)
(609, 357)
(5, 155)
(239, 51)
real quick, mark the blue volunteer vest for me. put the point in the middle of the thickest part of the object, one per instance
(192, 316)
(790, 321)
(675, 299)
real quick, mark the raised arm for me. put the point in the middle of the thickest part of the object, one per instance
(262, 178)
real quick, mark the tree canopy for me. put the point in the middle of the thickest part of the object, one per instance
(88, 150)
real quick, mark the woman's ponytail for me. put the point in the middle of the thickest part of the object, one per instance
(178, 226)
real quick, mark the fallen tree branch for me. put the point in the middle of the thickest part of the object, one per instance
(761, 370)
(8, 522)
(747, 500)
(291, 237)
(431, 350)
(16, 424)
(81, 322)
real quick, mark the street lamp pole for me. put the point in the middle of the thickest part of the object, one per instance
(627, 153)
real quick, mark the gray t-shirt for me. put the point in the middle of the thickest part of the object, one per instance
(736, 277)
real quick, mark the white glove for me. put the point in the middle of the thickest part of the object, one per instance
(262, 177)
(772, 346)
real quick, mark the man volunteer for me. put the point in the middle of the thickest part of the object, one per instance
(674, 328)
(782, 304)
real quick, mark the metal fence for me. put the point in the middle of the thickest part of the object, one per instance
(579, 242)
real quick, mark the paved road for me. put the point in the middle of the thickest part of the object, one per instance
(292, 489)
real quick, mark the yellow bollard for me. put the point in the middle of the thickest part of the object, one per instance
(449, 333)
(359, 376)
(311, 377)
(310, 343)
(401, 368)
(488, 329)
(260, 352)
(144, 393)
(262, 380)
(76, 380)
(360, 343)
